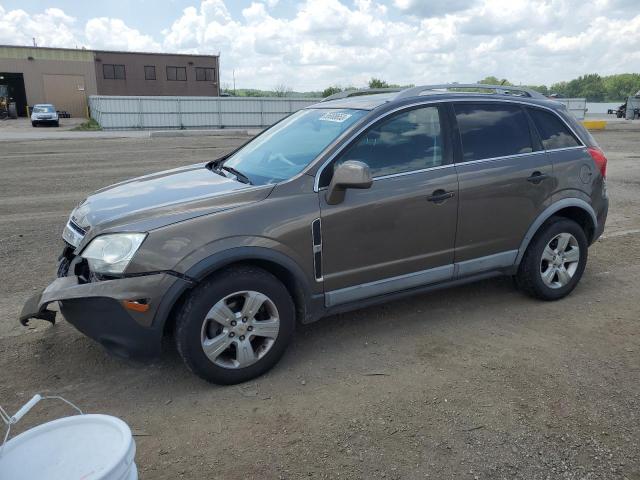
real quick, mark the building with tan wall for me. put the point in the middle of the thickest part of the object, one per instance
(47, 75)
(65, 77)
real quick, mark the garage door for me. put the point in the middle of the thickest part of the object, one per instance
(66, 92)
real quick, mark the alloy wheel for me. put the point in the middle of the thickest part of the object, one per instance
(240, 329)
(560, 260)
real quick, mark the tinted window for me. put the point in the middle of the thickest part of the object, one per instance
(119, 72)
(107, 71)
(113, 72)
(553, 132)
(43, 109)
(407, 141)
(204, 74)
(489, 131)
(149, 72)
(177, 73)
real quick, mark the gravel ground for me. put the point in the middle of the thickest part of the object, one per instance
(476, 382)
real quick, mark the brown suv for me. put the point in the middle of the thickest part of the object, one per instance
(362, 198)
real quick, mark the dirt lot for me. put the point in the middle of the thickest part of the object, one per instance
(475, 382)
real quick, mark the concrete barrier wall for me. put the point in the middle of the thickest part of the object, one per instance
(577, 106)
(114, 112)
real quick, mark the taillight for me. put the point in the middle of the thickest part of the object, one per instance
(599, 159)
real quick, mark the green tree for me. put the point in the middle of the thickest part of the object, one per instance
(282, 90)
(539, 88)
(590, 86)
(559, 88)
(619, 87)
(491, 80)
(377, 83)
(327, 92)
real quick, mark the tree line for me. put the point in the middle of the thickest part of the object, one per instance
(593, 87)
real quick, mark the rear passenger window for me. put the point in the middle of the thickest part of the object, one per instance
(407, 141)
(492, 130)
(553, 132)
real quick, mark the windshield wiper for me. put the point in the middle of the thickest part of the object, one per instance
(239, 175)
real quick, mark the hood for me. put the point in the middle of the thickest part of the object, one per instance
(155, 200)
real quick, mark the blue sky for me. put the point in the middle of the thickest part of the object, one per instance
(136, 13)
(311, 44)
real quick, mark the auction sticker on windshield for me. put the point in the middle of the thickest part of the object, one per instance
(335, 117)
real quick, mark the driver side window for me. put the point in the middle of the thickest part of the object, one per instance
(408, 141)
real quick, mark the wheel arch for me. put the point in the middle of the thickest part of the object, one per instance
(308, 306)
(574, 209)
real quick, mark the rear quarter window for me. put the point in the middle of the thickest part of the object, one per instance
(492, 130)
(553, 131)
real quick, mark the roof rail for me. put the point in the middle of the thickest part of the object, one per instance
(356, 93)
(497, 89)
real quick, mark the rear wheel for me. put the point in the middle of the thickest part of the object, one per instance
(235, 326)
(554, 261)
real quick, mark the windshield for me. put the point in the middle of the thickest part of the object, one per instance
(289, 146)
(44, 109)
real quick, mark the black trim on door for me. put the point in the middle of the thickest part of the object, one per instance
(454, 133)
(316, 236)
(536, 140)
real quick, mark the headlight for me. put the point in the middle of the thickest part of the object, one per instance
(112, 253)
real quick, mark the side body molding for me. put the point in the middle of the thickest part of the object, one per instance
(546, 214)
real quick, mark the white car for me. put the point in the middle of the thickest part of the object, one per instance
(44, 113)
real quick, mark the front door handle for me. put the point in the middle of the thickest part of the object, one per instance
(440, 196)
(537, 177)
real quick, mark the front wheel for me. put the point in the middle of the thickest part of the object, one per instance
(554, 261)
(235, 325)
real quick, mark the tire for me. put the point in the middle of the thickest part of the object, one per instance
(536, 275)
(56, 124)
(34, 124)
(231, 288)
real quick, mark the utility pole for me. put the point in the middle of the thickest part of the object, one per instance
(34, 42)
(234, 82)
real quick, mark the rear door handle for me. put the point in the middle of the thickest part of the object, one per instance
(440, 196)
(537, 177)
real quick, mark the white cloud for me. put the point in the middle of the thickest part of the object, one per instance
(55, 28)
(255, 13)
(414, 41)
(432, 8)
(187, 31)
(51, 28)
(324, 42)
(114, 34)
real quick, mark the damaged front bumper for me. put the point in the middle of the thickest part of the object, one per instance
(126, 315)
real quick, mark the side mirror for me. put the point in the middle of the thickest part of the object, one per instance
(350, 174)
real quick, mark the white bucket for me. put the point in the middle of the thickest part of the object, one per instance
(82, 447)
